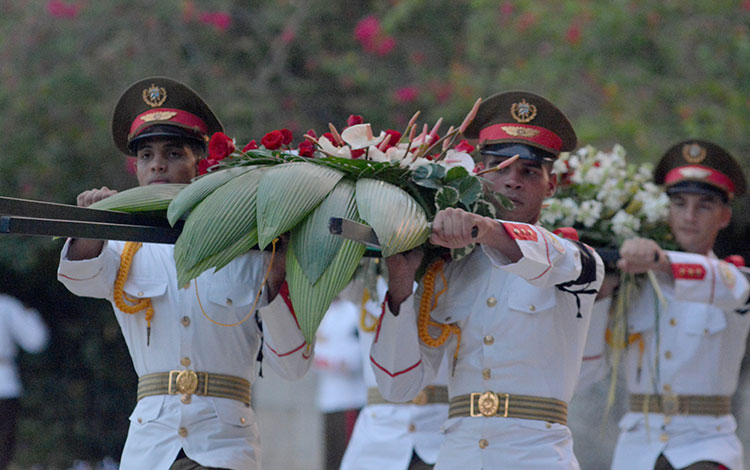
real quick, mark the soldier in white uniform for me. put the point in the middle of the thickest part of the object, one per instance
(20, 327)
(194, 376)
(393, 435)
(683, 362)
(522, 301)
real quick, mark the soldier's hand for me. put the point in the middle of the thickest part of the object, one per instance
(456, 228)
(638, 255)
(402, 269)
(91, 196)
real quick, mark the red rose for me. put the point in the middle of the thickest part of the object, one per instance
(354, 119)
(464, 146)
(252, 145)
(220, 146)
(312, 134)
(205, 164)
(287, 136)
(358, 153)
(395, 137)
(306, 149)
(272, 140)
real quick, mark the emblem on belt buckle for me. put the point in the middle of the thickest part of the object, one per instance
(186, 382)
(670, 404)
(487, 404)
(421, 398)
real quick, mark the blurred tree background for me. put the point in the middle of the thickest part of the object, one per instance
(642, 73)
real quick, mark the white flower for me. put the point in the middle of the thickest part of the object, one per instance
(374, 154)
(625, 225)
(328, 147)
(589, 213)
(454, 158)
(359, 136)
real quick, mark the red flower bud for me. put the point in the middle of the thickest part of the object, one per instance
(354, 119)
(306, 149)
(312, 134)
(252, 145)
(395, 137)
(205, 164)
(464, 146)
(286, 136)
(273, 140)
(220, 146)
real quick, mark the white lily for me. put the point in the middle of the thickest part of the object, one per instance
(359, 136)
(374, 154)
(327, 147)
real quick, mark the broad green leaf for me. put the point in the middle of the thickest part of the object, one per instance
(485, 209)
(220, 259)
(314, 245)
(469, 190)
(222, 218)
(154, 197)
(199, 188)
(287, 193)
(446, 196)
(399, 222)
(311, 301)
(457, 172)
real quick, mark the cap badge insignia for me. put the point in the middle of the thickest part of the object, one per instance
(154, 95)
(523, 111)
(518, 131)
(158, 116)
(693, 153)
(694, 173)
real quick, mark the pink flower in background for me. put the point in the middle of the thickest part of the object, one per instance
(573, 35)
(385, 46)
(406, 94)
(367, 30)
(220, 21)
(506, 8)
(746, 5)
(288, 35)
(60, 9)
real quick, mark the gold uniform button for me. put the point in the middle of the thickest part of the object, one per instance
(664, 437)
(532, 308)
(185, 321)
(486, 374)
(242, 420)
(549, 425)
(229, 302)
(186, 399)
(673, 321)
(183, 432)
(185, 361)
(491, 302)
(668, 354)
(489, 340)
(705, 331)
(140, 294)
(483, 443)
(412, 428)
(140, 420)
(667, 388)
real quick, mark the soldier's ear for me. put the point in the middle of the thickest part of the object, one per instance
(726, 216)
(551, 184)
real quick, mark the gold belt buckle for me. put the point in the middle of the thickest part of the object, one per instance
(421, 398)
(488, 404)
(186, 382)
(670, 404)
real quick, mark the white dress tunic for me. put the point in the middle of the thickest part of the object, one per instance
(520, 334)
(701, 343)
(215, 432)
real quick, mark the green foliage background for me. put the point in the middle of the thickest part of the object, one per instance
(642, 73)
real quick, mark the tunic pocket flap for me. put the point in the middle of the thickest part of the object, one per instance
(141, 288)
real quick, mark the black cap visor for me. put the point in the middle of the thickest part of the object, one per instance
(526, 152)
(166, 131)
(697, 187)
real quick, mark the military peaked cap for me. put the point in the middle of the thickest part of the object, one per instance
(161, 107)
(699, 166)
(507, 119)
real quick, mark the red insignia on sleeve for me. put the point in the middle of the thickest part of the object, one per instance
(567, 232)
(688, 271)
(520, 231)
(736, 260)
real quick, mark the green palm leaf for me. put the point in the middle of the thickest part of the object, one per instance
(154, 197)
(199, 189)
(218, 260)
(217, 222)
(311, 301)
(314, 246)
(399, 222)
(287, 193)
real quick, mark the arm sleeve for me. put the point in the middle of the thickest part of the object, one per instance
(699, 278)
(93, 277)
